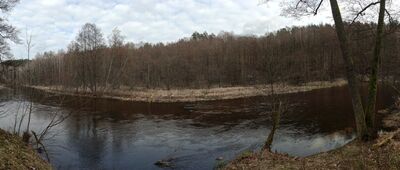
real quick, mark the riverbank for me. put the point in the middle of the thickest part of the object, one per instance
(383, 153)
(193, 95)
(14, 154)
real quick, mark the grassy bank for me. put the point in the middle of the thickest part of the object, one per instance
(191, 95)
(14, 154)
(383, 153)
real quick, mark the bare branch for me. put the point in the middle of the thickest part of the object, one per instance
(391, 19)
(297, 5)
(319, 5)
(361, 13)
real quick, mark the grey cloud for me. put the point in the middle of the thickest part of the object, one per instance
(55, 23)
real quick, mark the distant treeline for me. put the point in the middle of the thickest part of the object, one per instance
(294, 55)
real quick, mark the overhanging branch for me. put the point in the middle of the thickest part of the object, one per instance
(319, 6)
(364, 9)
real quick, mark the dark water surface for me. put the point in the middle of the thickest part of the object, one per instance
(110, 134)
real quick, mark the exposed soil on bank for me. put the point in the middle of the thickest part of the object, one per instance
(383, 153)
(193, 95)
(14, 154)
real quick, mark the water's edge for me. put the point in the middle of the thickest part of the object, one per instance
(192, 95)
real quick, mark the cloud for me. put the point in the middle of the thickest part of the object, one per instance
(55, 23)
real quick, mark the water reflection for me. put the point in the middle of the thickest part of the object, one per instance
(110, 134)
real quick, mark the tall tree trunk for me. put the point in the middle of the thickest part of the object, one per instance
(358, 109)
(373, 78)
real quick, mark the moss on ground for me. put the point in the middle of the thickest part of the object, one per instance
(14, 154)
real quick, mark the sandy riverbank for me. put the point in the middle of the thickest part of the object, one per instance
(14, 154)
(192, 95)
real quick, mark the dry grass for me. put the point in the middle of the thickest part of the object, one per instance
(397, 103)
(383, 153)
(14, 154)
(191, 95)
(391, 120)
(356, 155)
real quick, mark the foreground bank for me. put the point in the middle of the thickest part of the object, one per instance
(383, 153)
(193, 95)
(14, 154)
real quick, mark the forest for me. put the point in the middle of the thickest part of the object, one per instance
(293, 55)
(307, 96)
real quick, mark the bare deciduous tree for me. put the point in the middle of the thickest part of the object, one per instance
(364, 118)
(116, 43)
(29, 45)
(89, 42)
(304, 54)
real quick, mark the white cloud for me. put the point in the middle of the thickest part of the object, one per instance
(55, 23)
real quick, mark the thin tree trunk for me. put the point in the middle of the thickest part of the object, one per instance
(29, 117)
(373, 79)
(358, 109)
(109, 72)
(276, 116)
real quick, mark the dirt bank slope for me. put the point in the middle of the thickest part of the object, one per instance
(14, 154)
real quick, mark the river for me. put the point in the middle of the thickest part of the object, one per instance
(112, 134)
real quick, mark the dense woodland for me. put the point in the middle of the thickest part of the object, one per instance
(294, 55)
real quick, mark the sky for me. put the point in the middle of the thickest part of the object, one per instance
(55, 23)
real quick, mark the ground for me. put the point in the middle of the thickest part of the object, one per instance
(14, 154)
(192, 95)
(382, 153)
